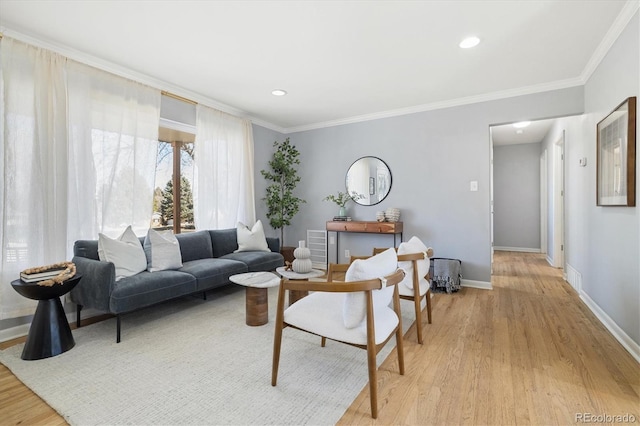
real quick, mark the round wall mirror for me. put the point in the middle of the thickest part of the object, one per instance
(368, 180)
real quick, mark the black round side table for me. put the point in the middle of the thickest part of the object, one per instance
(49, 334)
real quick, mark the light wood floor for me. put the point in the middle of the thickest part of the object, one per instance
(527, 352)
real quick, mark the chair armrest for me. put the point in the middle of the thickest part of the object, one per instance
(95, 287)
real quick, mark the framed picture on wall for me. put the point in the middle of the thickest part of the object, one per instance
(616, 156)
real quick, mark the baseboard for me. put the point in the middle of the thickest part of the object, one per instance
(632, 347)
(484, 285)
(14, 332)
(23, 329)
(519, 249)
(550, 261)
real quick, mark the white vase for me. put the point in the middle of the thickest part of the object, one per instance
(302, 262)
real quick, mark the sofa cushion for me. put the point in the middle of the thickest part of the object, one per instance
(162, 250)
(146, 289)
(224, 241)
(195, 245)
(257, 260)
(125, 252)
(212, 273)
(86, 248)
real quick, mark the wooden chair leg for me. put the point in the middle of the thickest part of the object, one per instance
(277, 339)
(428, 296)
(373, 380)
(399, 337)
(324, 342)
(416, 302)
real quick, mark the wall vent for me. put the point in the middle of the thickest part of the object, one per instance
(574, 278)
(317, 244)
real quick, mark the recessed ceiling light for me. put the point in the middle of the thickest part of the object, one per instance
(521, 124)
(519, 131)
(279, 92)
(469, 42)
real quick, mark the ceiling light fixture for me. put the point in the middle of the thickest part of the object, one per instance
(469, 42)
(521, 124)
(279, 92)
(519, 131)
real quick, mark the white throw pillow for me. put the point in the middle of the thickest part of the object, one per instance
(378, 266)
(414, 245)
(162, 251)
(125, 252)
(251, 239)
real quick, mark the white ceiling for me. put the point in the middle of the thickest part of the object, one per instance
(533, 133)
(340, 61)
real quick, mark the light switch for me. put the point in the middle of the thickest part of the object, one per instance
(473, 185)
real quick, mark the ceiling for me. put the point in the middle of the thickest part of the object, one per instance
(533, 133)
(339, 61)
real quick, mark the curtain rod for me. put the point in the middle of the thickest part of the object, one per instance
(178, 97)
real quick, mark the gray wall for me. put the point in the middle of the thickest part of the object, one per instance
(433, 156)
(609, 262)
(516, 186)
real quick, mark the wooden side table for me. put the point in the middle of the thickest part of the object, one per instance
(49, 334)
(362, 227)
(257, 296)
(295, 295)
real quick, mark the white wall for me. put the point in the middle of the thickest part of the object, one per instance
(516, 173)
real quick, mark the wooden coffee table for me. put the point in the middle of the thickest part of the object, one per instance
(257, 296)
(295, 295)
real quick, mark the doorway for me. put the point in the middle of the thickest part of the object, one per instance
(557, 237)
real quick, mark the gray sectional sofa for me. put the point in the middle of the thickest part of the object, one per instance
(208, 258)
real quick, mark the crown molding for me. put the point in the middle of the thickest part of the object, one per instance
(130, 74)
(621, 22)
(504, 94)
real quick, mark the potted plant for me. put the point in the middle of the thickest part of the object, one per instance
(342, 199)
(282, 204)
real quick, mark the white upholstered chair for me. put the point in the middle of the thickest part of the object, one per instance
(414, 259)
(355, 312)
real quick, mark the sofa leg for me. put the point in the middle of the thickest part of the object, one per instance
(204, 295)
(78, 309)
(117, 328)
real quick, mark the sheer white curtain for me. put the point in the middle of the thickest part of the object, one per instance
(223, 155)
(113, 139)
(33, 166)
(78, 157)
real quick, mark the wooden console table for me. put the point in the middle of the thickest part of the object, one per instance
(393, 228)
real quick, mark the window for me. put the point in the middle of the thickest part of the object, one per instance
(174, 181)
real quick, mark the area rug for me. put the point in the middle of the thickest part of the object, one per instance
(192, 361)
